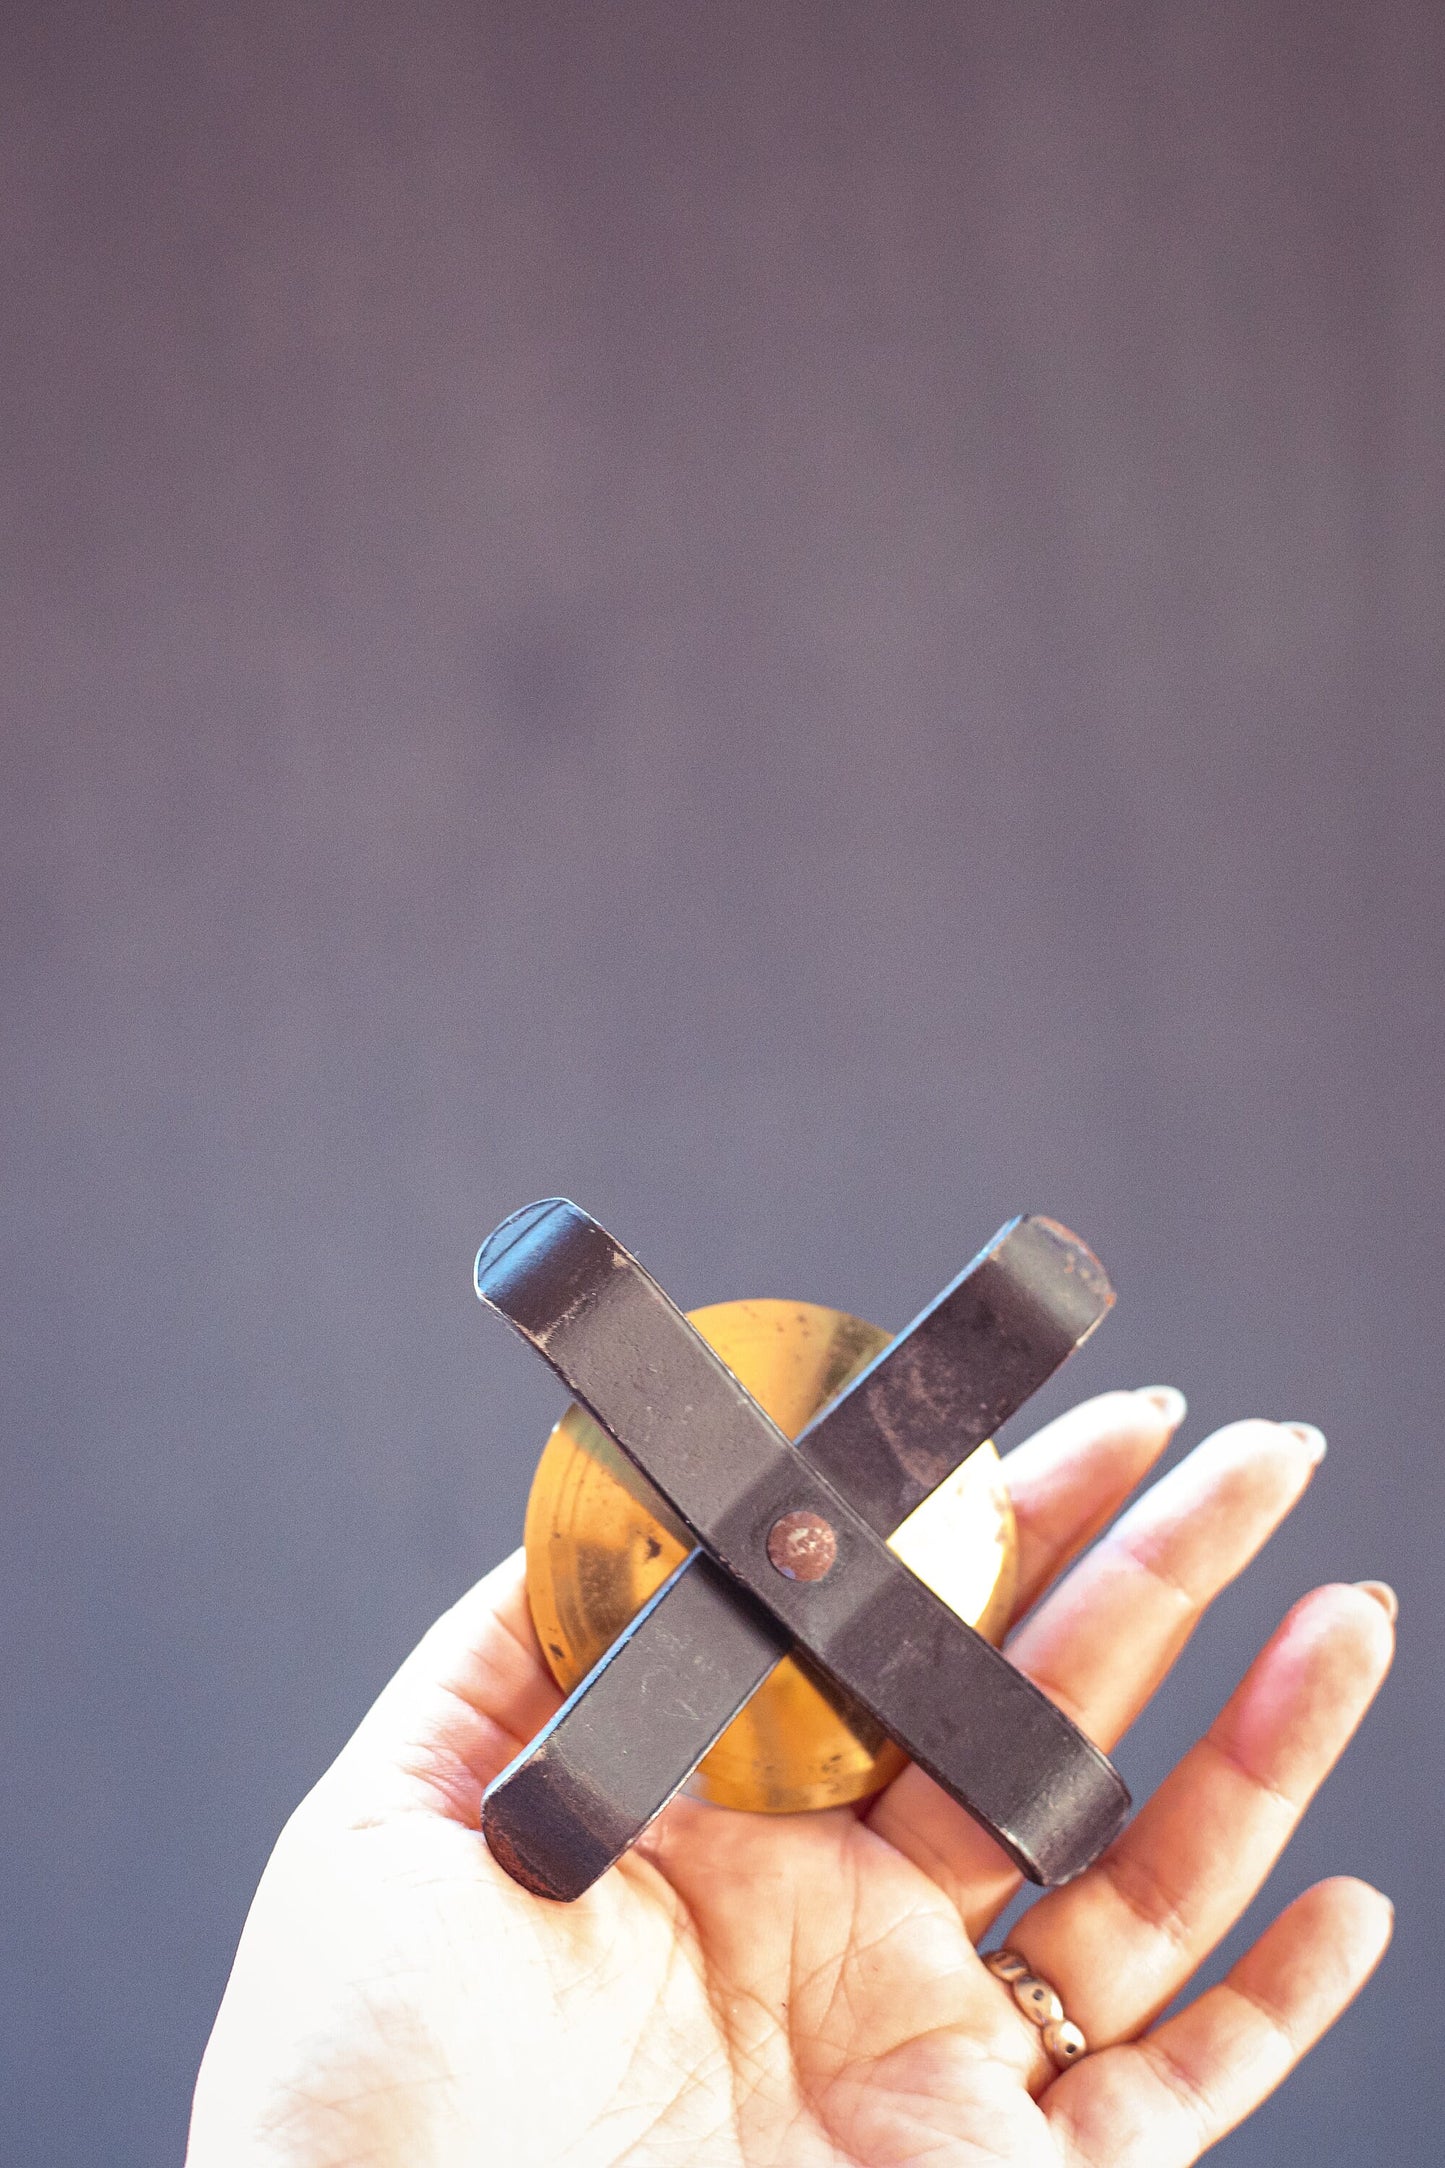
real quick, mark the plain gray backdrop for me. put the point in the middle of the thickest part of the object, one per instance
(812, 623)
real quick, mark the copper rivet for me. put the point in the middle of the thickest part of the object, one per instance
(802, 1546)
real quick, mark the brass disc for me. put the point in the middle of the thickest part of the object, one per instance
(600, 1541)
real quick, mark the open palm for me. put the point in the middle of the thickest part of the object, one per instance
(804, 1991)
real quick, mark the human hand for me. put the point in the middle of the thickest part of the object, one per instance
(804, 1990)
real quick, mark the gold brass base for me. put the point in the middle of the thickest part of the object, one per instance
(600, 1541)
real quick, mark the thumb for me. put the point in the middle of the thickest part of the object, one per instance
(471, 1694)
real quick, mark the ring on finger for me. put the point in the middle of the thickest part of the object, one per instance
(1063, 2041)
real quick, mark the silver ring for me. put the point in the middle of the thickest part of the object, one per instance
(1062, 2038)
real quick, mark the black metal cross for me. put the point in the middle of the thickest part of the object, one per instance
(791, 1549)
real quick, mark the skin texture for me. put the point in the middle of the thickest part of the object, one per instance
(804, 1991)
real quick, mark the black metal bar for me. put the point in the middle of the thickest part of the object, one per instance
(956, 1705)
(627, 1738)
(960, 1370)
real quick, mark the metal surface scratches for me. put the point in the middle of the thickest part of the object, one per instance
(631, 1733)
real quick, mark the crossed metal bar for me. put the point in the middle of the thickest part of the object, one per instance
(791, 1549)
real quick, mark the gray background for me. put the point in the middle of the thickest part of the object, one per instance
(812, 623)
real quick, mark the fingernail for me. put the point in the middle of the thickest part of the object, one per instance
(1312, 1439)
(1168, 1399)
(1384, 1596)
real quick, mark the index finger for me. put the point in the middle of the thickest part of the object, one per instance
(1069, 1479)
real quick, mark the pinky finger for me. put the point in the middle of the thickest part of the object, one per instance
(1162, 2100)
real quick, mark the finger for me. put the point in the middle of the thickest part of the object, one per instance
(470, 1695)
(1164, 2100)
(1101, 1641)
(1106, 1637)
(1069, 1480)
(1120, 1943)
(1065, 1483)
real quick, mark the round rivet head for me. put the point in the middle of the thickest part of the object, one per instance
(802, 1546)
(1038, 2000)
(1006, 1965)
(1064, 2041)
